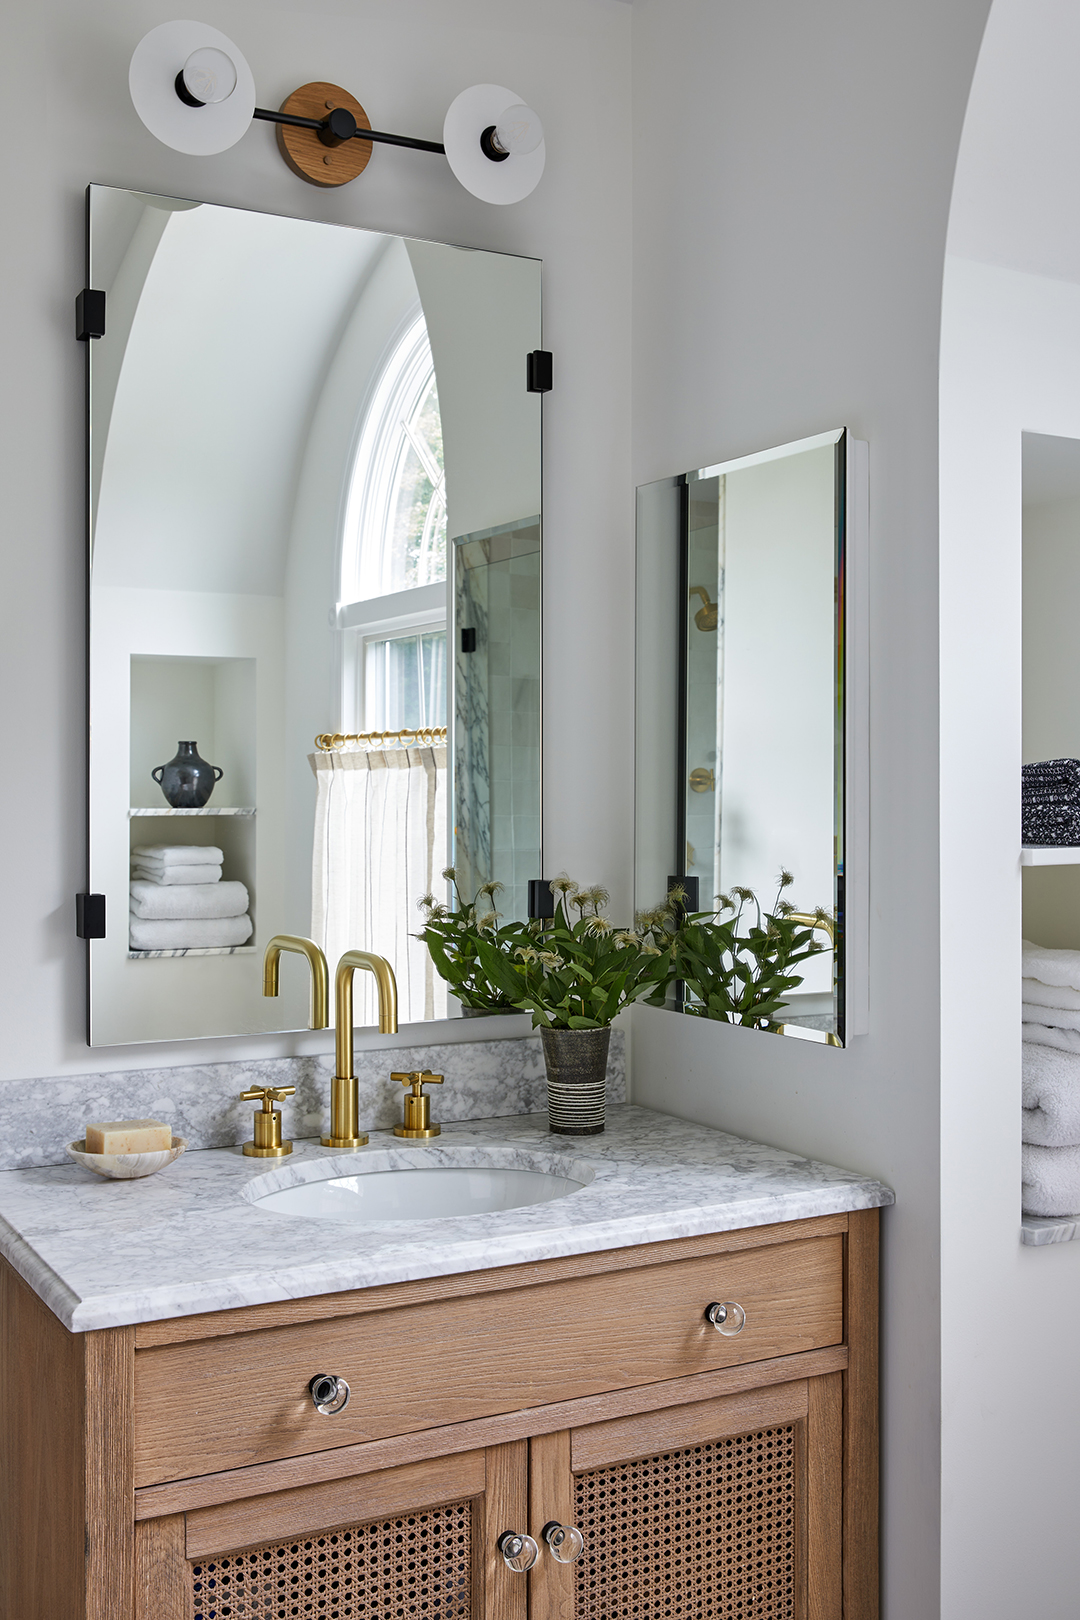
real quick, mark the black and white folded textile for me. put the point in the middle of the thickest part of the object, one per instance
(1050, 802)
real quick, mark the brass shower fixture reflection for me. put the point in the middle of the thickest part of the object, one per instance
(707, 616)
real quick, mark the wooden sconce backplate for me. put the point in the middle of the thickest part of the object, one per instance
(302, 149)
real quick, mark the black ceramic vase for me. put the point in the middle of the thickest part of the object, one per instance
(187, 781)
(576, 1063)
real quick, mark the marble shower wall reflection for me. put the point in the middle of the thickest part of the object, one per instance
(497, 711)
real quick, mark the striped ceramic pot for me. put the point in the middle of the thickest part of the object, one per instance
(576, 1061)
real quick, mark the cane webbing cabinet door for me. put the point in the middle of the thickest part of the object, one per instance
(411, 1543)
(730, 1509)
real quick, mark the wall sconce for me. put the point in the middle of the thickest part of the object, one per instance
(194, 91)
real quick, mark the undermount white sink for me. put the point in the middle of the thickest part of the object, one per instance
(418, 1192)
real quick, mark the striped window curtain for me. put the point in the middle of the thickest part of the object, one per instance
(380, 844)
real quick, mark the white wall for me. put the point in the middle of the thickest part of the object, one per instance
(63, 75)
(1010, 361)
(792, 173)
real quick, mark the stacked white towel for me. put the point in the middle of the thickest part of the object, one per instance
(1051, 1081)
(177, 864)
(178, 901)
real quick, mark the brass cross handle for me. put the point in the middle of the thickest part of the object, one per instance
(268, 1095)
(417, 1122)
(267, 1143)
(418, 1079)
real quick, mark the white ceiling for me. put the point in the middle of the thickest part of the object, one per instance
(1016, 200)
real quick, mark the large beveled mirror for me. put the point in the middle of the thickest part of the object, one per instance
(315, 537)
(751, 725)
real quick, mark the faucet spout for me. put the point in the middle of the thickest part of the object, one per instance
(320, 974)
(344, 1092)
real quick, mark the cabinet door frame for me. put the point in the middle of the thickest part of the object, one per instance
(493, 1479)
(813, 1405)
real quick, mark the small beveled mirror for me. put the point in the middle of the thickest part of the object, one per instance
(750, 769)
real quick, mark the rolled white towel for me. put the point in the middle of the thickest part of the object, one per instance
(175, 876)
(178, 854)
(189, 934)
(1050, 1178)
(1050, 995)
(1051, 966)
(153, 900)
(1051, 1096)
(1052, 1017)
(1065, 1040)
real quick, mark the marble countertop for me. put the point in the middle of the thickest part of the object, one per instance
(107, 1253)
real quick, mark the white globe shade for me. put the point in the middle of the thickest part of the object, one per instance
(166, 52)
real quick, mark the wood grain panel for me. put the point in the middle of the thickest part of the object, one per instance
(357, 1301)
(825, 1498)
(109, 1412)
(162, 1578)
(214, 1405)
(862, 1598)
(42, 1481)
(551, 1496)
(207, 1489)
(500, 1593)
(647, 1434)
(236, 1525)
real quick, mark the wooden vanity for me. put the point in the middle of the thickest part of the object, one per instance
(179, 1470)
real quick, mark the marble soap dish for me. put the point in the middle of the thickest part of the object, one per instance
(125, 1166)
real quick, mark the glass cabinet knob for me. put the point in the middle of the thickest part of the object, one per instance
(329, 1395)
(565, 1541)
(519, 1552)
(726, 1317)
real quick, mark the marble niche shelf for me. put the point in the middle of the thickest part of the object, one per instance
(1039, 1230)
(1050, 855)
(196, 950)
(207, 810)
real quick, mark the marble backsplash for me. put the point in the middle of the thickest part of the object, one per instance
(483, 1080)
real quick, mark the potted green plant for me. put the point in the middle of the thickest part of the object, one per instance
(454, 937)
(737, 963)
(573, 975)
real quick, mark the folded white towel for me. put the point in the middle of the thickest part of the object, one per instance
(188, 934)
(1051, 1096)
(1051, 966)
(1065, 1040)
(175, 876)
(160, 901)
(1050, 995)
(178, 854)
(1052, 1017)
(1050, 1178)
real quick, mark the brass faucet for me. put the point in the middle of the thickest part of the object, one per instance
(320, 974)
(344, 1092)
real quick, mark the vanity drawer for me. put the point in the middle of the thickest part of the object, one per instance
(231, 1402)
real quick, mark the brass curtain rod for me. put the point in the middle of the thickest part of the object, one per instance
(327, 741)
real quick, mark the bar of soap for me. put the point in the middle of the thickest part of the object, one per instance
(128, 1136)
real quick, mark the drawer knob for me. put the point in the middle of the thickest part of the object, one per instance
(329, 1395)
(565, 1541)
(519, 1552)
(726, 1317)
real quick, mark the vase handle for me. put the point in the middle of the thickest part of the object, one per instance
(156, 773)
(218, 773)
